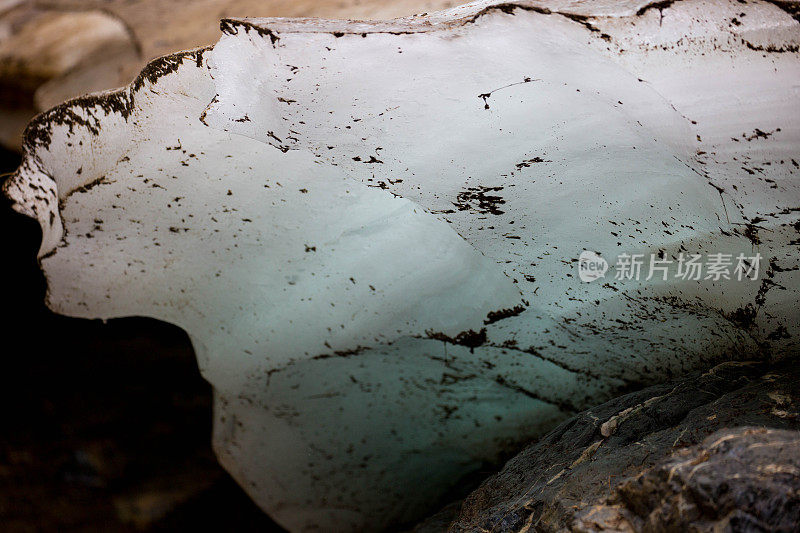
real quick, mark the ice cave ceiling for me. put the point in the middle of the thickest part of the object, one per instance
(371, 230)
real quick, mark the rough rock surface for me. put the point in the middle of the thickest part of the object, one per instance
(718, 451)
(51, 51)
(741, 479)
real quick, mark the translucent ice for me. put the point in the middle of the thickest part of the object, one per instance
(371, 231)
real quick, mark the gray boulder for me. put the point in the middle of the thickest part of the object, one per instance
(718, 451)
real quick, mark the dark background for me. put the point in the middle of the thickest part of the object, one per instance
(105, 426)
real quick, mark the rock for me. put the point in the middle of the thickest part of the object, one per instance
(380, 268)
(739, 479)
(440, 521)
(54, 51)
(51, 56)
(713, 452)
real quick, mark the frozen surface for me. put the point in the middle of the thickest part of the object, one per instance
(371, 231)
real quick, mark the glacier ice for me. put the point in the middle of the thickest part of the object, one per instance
(370, 230)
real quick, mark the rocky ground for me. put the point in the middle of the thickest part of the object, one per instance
(718, 451)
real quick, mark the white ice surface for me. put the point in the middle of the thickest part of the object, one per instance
(319, 211)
